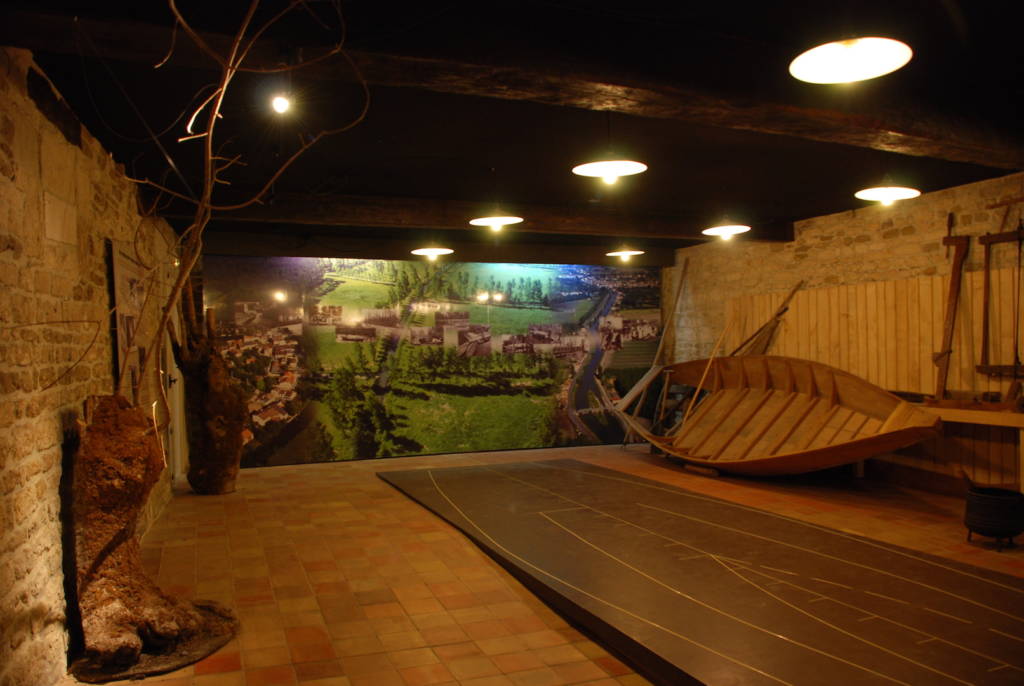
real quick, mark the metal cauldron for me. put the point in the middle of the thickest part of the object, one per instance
(995, 512)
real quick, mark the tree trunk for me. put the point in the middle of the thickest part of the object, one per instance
(130, 627)
(216, 411)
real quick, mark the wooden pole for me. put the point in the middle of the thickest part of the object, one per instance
(941, 358)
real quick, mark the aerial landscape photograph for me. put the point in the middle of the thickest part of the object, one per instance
(346, 359)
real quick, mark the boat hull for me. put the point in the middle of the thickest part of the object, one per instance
(770, 415)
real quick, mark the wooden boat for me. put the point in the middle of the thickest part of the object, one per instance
(779, 415)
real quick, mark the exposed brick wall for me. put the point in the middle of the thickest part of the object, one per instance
(873, 243)
(59, 202)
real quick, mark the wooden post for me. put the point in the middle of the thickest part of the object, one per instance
(960, 245)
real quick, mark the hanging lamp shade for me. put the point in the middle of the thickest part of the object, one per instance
(887, 195)
(726, 231)
(854, 59)
(624, 253)
(610, 170)
(431, 253)
(497, 223)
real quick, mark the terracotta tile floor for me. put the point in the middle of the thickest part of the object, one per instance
(339, 580)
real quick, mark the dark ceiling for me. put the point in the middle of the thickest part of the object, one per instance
(476, 104)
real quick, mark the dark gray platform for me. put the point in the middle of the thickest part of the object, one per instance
(691, 589)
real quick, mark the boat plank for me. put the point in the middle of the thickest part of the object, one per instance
(834, 427)
(760, 425)
(810, 423)
(698, 423)
(736, 422)
(715, 420)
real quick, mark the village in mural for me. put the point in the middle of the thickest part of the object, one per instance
(346, 359)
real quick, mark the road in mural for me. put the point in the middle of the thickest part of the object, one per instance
(346, 359)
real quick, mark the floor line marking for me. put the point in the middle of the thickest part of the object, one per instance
(833, 557)
(564, 509)
(931, 637)
(811, 525)
(832, 583)
(997, 668)
(781, 571)
(1003, 633)
(852, 635)
(582, 591)
(906, 627)
(754, 571)
(886, 597)
(727, 614)
(864, 619)
(946, 614)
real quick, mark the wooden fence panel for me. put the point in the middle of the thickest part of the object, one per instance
(887, 332)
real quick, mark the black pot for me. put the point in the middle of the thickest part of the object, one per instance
(994, 512)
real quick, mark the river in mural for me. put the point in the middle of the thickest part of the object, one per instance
(346, 359)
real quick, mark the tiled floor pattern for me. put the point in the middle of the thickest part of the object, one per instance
(339, 580)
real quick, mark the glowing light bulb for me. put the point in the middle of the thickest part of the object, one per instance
(281, 104)
(280, 296)
(887, 195)
(847, 61)
(726, 231)
(495, 223)
(609, 171)
(432, 253)
(624, 254)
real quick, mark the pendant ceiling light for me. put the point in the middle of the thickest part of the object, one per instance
(726, 231)
(612, 166)
(432, 253)
(855, 59)
(497, 223)
(887, 195)
(609, 171)
(624, 254)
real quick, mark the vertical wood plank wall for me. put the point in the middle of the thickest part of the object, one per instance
(887, 332)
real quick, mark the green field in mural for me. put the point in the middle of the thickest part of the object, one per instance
(346, 359)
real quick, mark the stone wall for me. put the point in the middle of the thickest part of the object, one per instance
(871, 244)
(61, 199)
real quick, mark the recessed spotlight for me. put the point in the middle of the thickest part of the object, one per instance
(887, 195)
(281, 104)
(624, 254)
(496, 223)
(855, 59)
(609, 171)
(432, 253)
(726, 231)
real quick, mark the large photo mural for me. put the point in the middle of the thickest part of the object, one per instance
(345, 359)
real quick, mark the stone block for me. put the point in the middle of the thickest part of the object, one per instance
(60, 219)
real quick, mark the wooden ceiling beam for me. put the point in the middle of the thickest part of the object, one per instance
(916, 136)
(421, 213)
(323, 243)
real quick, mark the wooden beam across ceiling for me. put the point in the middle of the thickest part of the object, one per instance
(421, 213)
(323, 242)
(917, 135)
